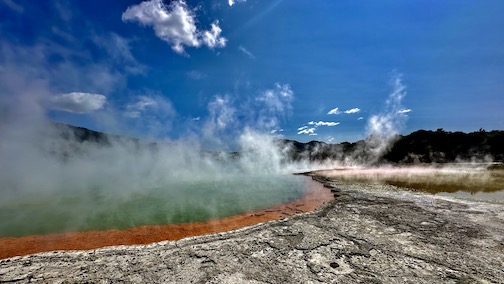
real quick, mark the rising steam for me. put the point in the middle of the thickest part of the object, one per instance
(382, 128)
(40, 159)
(42, 162)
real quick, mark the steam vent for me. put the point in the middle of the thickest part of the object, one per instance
(246, 141)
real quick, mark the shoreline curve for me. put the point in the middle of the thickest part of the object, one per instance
(315, 195)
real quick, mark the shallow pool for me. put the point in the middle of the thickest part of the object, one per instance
(98, 208)
(469, 182)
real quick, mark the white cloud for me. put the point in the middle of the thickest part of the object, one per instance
(404, 110)
(174, 23)
(360, 118)
(353, 110)
(323, 123)
(212, 38)
(315, 124)
(334, 111)
(232, 2)
(337, 111)
(78, 102)
(307, 130)
(246, 52)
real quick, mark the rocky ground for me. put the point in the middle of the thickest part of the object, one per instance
(360, 237)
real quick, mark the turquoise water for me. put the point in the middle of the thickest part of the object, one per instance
(98, 208)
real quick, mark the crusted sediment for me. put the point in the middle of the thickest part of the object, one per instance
(361, 237)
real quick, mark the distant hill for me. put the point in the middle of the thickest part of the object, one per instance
(441, 147)
(422, 146)
(81, 134)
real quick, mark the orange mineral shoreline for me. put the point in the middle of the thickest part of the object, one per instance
(315, 196)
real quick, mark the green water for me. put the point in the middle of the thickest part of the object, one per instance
(178, 202)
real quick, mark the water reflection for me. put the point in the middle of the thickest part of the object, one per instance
(482, 182)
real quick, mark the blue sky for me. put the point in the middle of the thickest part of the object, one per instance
(307, 70)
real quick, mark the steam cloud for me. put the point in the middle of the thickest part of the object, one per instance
(382, 128)
(41, 160)
(37, 156)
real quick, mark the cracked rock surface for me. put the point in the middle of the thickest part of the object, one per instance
(360, 237)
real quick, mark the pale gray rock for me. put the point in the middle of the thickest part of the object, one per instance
(360, 237)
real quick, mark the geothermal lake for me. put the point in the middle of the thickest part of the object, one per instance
(99, 208)
(201, 199)
(473, 182)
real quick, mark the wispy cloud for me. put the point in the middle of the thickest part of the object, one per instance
(307, 130)
(149, 107)
(78, 102)
(232, 2)
(174, 23)
(404, 110)
(353, 110)
(277, 99)
(102, 71)
(334, 111)
(311, 130)
(337, 111)
(142, 104)
(151, 112)
(118, 50)
(323, 123)
(246, 52)
(360, 118)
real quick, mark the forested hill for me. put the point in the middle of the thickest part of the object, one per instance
(422, 146)
(443, 146)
